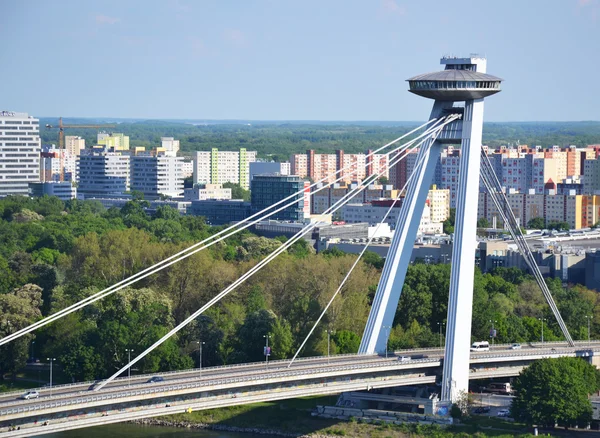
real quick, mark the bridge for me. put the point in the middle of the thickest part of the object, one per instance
(456, 118)
(77, 405)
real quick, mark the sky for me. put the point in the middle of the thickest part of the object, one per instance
(292, 59)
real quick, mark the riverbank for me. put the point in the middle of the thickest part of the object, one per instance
(292, 418)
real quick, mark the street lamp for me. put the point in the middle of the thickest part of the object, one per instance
(51, 360)
(589, 319)
(542, 319)
(129, 351)
(328, 344)
(440, 324)
(387, 338)
(267, 352)
(493, 332)
(32, 357)
(200, 344)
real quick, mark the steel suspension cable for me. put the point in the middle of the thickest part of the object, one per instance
(259, 266)
(194, 248)
(500, 200)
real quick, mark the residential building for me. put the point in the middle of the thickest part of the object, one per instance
(218, 167)
(202, 192)
(220, 211)
(170, 145)
(157, 174)
(74, 145)
(591, 176)
(19, 153)
(50, 163)
(260, 167)
(118, 141)
(62, 190)
(103, 173)
(330, 167)
(439, 203)
(187, 168)
(268, 189)
(325, 197)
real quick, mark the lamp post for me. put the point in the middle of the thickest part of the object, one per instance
(589, 319)
(200, 344)
(328, 344)
(493, 333)
(440, 324)
(129, 351)
(266, 350)
(387, 338)
(51, 360)
(32, 356)
(542, 319)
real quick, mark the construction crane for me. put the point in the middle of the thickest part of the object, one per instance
(61, 140)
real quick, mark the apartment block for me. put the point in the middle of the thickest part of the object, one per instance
(202, 192)
(19, 153)
(74, 145)
(261, 167)
(118, 141)
(50, 163)
(62, 190)
(268, 189)
(157, 174)
(218, 167)
(170, 145)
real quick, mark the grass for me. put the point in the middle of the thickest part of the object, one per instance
(293, 416)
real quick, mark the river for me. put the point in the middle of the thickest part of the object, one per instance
(125, 430)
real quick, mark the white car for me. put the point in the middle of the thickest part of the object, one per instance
(30, 394)
(503, 413)
(515, 347)
(403, 358)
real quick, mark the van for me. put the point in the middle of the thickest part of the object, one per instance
(480, 346)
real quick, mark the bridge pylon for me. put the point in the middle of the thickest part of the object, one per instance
(460, 88)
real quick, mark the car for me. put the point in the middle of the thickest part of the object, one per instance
(29, 395)
(156, 379)
(503, 413)
(515, 347)
(404, 358)
(481, 410)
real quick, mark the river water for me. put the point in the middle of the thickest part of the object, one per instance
(125, 430)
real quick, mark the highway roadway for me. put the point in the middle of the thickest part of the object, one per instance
(261, 368)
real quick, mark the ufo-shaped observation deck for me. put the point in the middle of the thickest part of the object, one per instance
(454, 85)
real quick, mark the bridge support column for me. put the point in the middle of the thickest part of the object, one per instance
(455, 379)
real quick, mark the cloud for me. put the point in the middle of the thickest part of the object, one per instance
(390, 7)
(236, 37)
(105, 19)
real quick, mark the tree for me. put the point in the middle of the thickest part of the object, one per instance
(237, 191)
(483, 223)
(281, 339)
(449, 223)
(384, 180)
(555, 391)
(537, 223)
(346, 342)
(554, 225)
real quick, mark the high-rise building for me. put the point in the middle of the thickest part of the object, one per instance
(74, 145)
(103, 173)
(591, 176)
(62, 190)
(218, 167)
(155, 173)
(116, 140)
(170, 145)
(260, 167)
(268, 189)
(19, 153)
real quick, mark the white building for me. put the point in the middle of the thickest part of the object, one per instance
(187, 168)
(261, 167)
(170, 145)
(19, 153)
(206, 191)
(218, 167)
(62, 190)
(103, 173)
(156, 173)
(74, 145)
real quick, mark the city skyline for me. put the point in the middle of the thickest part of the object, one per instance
(304, 61)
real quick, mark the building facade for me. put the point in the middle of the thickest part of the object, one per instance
(19, 153)
(157, 174)
(268, 189)
(220, 211)
(170, 145)
(261, 167)
(74, 145)
(62, 190)
(50, 163)
(116, 140)
(202, 192)
(218, 167)
(103, 173)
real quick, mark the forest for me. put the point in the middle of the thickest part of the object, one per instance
(277, 140)
(53, 254)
